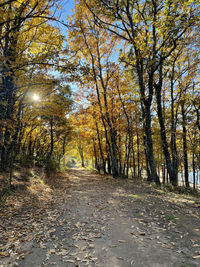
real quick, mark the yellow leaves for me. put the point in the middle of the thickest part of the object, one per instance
(45, 39)
(18, 3)
(2, 254)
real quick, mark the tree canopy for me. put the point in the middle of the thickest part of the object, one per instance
(135, 66)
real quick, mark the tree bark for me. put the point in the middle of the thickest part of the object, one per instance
(185, 152)
(138, 155)
(52, 141)
(173, 129)
(193, 168)
(165, 146)
(149, 146)
(101, 150)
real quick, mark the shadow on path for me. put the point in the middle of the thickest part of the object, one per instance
(98, 221)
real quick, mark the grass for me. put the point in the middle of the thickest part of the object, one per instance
(180, 225)
(25, 180)
(142, 196)
(171, 218)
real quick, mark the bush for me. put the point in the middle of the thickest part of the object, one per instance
(25, 160)
(52, 165)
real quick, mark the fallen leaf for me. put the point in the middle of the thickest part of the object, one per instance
(196, 257)
(122, 241)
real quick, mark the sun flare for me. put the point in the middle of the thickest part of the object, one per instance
(36, 97)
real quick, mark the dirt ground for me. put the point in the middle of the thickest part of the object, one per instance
(86, 219)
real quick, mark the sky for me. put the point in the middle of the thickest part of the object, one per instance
(67, 6)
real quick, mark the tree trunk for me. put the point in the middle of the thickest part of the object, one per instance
(82, 159)
(101, 150)
(149, 146)
(173, 129)
(128, 157)
(193, 168)
(133, 157)
(163, 172)
(63, 151)
(165, 147)
(130, 141)
(185, 153)
(146, 101)
(7, 93)
(121, 171)
(114, 154)
(138, 155)
(52, 141)
(95, 156)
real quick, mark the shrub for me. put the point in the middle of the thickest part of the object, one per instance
(52, 165)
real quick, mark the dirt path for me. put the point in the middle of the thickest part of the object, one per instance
(97, 221)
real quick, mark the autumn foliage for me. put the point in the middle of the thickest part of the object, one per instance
(134, 69)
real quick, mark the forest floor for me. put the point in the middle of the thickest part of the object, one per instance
(82, 218)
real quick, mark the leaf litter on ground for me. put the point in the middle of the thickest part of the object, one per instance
(35, 215)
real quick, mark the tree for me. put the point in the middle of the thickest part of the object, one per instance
(152, 30)
(28, 44)
(98, 56)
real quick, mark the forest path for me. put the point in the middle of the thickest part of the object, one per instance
(94, 220)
